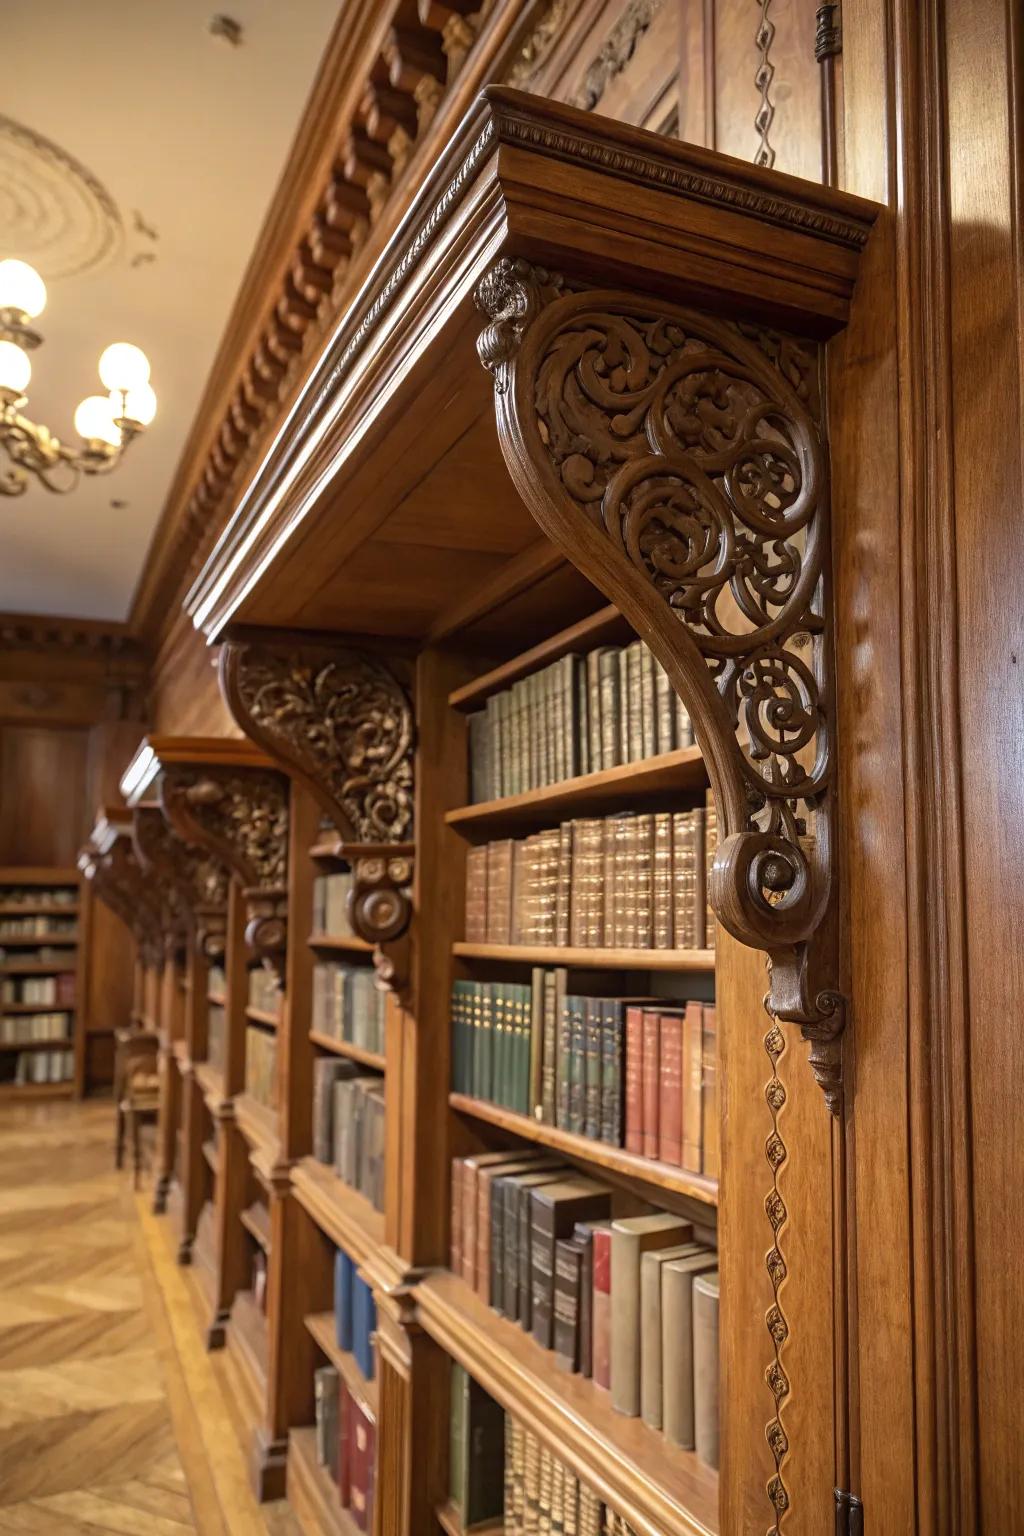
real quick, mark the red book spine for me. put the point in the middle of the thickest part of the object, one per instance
(693, 1077)
(362, 1439)
(649, 1081)
(601, 1311)
(345, 1444)
(634, 1080)
(670, 1108)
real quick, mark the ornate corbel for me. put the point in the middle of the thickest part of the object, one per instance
(120, 884)
(194, 880)
(678, 459)
(240, 816)
(341, 720)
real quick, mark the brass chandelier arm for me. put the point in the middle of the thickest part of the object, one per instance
(35, 451)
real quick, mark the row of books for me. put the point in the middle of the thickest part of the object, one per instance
(216, 980)
(15, 1028)
(346, 1443)
(261, 1066)
(498, 1469)
(623, 1294)
(330, 904)
(39, 895)
(46, 954)
(348, 1125)
(355, 1313)
(630, 881)
(44, 1067)
(39, 926)
(348, 1005)
(579, 715)
(264, 991)
(636, 1073)
(59, 989)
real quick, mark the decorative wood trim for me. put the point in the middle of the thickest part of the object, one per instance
(340, 720)
(678, 460)
(241, 816)
(195, 880)
(108, 861)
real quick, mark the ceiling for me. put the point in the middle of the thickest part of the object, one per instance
(138, 156)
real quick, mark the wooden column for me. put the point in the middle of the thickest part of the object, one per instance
(233, 1152)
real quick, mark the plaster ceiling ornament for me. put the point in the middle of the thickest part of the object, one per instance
(53, 211)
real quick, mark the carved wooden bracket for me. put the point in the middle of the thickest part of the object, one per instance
(678, 459)
(341, 721)
(120, 884)
(240, 815)
(194, 880)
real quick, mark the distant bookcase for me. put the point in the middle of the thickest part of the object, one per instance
(42, 987)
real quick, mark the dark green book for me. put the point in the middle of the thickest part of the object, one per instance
(612, 1074)
(554, 999)
(477, 1432)
(536, 1044)
(594, 1042)
(522, 1032)
(499, 1067)
(486, 1040)
(577, 1007)
(563, 1088)
(514, 1187)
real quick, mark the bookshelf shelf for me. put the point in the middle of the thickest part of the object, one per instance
(216, 999)
(36, 1090)
(38, 940)
(256, 1221)
(312, 1492)
(592, 793)
(210, 1153)
(64, 1044)
(38, 909)
(694, 961)
(258, 1125)
(450, 1521)
(211, 1081)
(321, 1328)
(24, 1008)
(262, 1016)
(346, 1216)
(248, 1331)
(661, 1176)
(601, 628)
(648, 1480)
(345, 943)
(36, 967)
(346, 1048)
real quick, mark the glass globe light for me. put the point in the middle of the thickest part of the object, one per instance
(94, 419)
(137, 405)
(15, 368)
(124, 367)
(21, 288)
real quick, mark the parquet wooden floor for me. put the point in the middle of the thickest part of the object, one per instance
(112, 1418)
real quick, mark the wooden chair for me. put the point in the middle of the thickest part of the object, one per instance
(136, 1091)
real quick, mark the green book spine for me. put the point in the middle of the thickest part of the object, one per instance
(536, 1044)
(487, 989)
(475, 1031)
(524, 1038)
(594, 1032)
(564, 1079)
(612, 1042)
(456, 1435)
(577, 1064)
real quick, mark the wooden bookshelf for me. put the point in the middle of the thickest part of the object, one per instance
(38, 909)
(694, 961)
(61, 1043)
(210, 1154)
(663, 1177)
(216, 999)
(256, 1221)
(312, 1492)
(63, 1090)
(346, 1216)
(346, 1048)
(39, 941)
(71, 957)
(605, 626)
(262, 1016)
(29, 1008)
(631, 1466)
(347, 944)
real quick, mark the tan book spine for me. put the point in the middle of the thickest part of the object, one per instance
(608, 881)
(544, 1498)
(631, 1238)
(628, 876)
(644, 855)
(577, 884)
(590, 1512)
(518, 1474)
(565, 915)
(705, 1367)
(710, 849)
(531, 1484)
(661, 893)
(549, 885)
(455, 1245)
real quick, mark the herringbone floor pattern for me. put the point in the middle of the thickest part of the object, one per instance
(89, 1443)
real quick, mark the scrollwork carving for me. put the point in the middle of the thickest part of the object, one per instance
(341, 719)
(678, 460)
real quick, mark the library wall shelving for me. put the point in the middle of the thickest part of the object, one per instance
(643, 322)
(43, 982)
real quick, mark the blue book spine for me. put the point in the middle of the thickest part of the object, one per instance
(364, 1323)
(344, 1278)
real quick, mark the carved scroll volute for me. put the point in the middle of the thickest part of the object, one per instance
(677, 459)
(240, 816)
(341, 721)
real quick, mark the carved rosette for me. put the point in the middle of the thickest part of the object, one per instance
(240, 816)
(341, 720)
(677, 458)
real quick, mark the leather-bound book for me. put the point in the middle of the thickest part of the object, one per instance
(584, 1234)
(705, 1367)
(499, 891)
(550, 843)
(581, 762)
(590, 1512)
(634, 1077)
(577, 1063)
(565, 888)
(653, 1362)
(535, 1104)
(648, 706)
(455, 1235)
(476, 895)
(710, 849)
(693, 1080)
(363, 1442)
(628, 874)
(477, 1434)
(635, 701)
(325, 1398)
(554, 1007)
(563, 1077)
(651, 1082)
(677, 1280)
(327, 1070)
(613, 1045)
(601, 1305)
(632, 1237)
(593, 1025)
(670, 1099)
(643, 840)
(364, 1325)
(609, 671)
(344, 1280)
(621, 829)
(470, 1169)
(569, 1253)
(624, 705)
(594, 712)
(710, 1161)
(661, 882)
(520, 891)
(554, 1212)
(479, 747)
(345, 1407)
(490, 1220)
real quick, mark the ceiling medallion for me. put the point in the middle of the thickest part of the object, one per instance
(105, 423)
(53, 211)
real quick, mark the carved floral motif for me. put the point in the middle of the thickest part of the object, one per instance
(342, 720)
(241, 815)
(678, 459)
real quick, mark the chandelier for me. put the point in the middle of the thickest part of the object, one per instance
(105, 423)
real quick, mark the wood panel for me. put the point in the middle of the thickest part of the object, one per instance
(43, 775)
(184, 697)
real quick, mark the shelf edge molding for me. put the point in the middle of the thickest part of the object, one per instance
(679, 460)
(340, 719)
